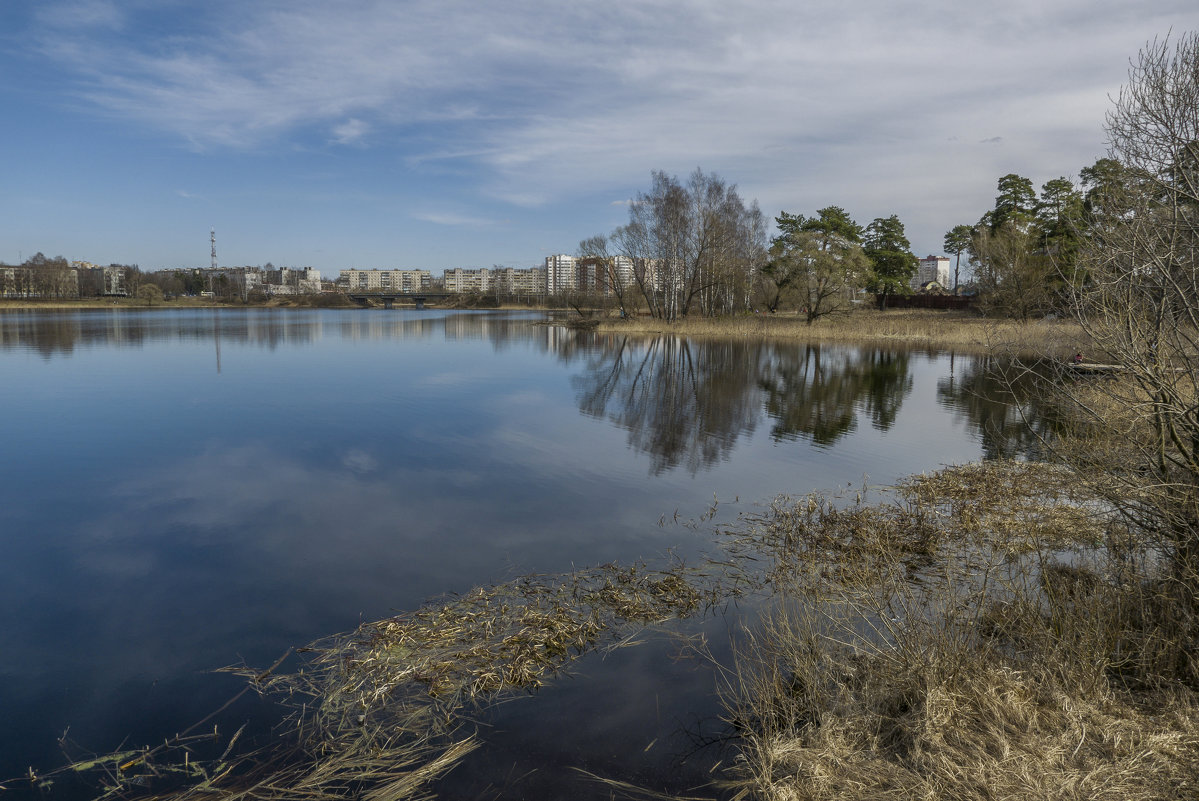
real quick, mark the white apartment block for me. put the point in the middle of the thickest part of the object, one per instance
(515, 281)
(460, 280)
(560, 274)
(504, 279)
(932, 268)
(385, 280)
(622, 266)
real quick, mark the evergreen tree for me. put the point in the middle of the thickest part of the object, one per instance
(890, 254)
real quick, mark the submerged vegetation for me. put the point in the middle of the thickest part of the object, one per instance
(991, 630)
(383, 711)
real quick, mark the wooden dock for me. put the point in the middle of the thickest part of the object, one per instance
(1088, 368)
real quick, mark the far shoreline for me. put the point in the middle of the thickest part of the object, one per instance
(957, 330)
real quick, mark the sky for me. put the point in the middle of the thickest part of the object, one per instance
(439, 133)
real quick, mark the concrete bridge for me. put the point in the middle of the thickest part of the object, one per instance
(417, 298)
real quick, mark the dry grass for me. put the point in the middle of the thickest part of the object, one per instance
(958, 330)
(380, 713)
(988, 631)
(983, 633)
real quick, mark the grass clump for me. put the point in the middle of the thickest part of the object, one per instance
(982, 633)
(380, 713)
(965, 331)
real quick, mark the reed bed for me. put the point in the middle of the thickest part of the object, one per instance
(987, 632)
(921, 328)
(380, 713)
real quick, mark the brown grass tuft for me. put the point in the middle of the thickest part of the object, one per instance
(976, 634)
(920, 328)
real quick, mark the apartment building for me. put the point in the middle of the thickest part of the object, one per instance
(560, 274)
(932, 268)
(385, 280)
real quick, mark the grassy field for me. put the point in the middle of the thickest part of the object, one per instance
(958, 330)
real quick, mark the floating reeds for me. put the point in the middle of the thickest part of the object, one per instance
(376, 713)
(986, 631)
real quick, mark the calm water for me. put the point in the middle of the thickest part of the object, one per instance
(182, 490)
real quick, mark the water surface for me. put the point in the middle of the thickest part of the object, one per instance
(182, 490)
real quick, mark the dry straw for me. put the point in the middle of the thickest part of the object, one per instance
(989, 631)
(983, 633)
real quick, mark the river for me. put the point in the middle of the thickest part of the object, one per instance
(186, 489)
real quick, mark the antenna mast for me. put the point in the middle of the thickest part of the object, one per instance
(212, 237)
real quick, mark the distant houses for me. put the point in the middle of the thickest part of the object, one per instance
(560, 274)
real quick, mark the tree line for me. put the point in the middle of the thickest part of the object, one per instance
(696, 247)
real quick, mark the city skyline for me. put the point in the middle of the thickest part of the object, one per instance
(438, 135)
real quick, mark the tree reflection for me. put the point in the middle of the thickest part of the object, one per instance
(687, 403)
(682, 402)
(1002, 400)
(816, 392)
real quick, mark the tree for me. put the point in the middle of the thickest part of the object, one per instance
(1014, 275)
(891, 258)
(1059, 218)
(1015, 203)
(957, 241)
(1140, 306)
(149, 294)
(818, 259)
(617, 281)
(692, 245)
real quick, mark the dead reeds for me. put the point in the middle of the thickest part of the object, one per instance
(962, 331)
(985, 632)
(379, 713)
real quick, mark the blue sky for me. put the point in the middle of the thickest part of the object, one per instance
(440, 133)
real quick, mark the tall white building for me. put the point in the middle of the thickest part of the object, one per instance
(560, 274)
(932, 268)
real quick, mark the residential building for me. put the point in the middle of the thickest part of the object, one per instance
(384, 280)
(931, 268)
(513, 281)
(560, 274)
(465, 281)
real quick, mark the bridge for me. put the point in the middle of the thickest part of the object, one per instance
(417, 298)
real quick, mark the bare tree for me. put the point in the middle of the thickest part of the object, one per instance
(1014, 275)
(1139, 303)
(693, 246)
(617, 282)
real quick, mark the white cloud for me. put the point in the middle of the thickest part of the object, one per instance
(359, 461)
(536, 100)
(350, 132)
(81, 14)
(453, 219)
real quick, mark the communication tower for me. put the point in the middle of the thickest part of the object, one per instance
(212, 237)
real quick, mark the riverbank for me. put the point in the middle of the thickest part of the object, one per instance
(915, 327)
(173, 303)
(919, 328)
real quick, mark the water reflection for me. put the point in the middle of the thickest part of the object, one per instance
(157, 520)
(818, 393)
(60, 332)
(687, 403)
(681, 402)
(1003, 402)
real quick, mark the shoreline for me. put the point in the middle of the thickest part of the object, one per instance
(919, 328)
(911, 327)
